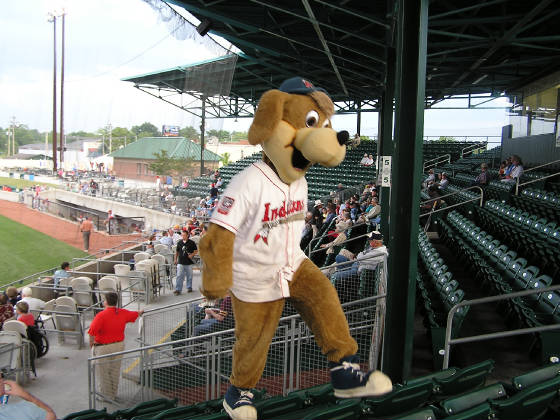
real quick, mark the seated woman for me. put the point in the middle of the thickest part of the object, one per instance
(6, 310)
(216, 318)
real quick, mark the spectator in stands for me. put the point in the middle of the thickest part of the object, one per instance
(6, 310)
(317, 221)
(34, 303)
(176, 234)
(442, 184)
(219, 182)
(483, 177)
(186, 250)
(13, 295)
(158, 183)
(110, 222)
(86, 227)
(516, 169)
(216, 318)
(307, 231)
(165, 239)
(173, 207)
(63, 273)
(369, 161)
(150, 245)
(373, 216)
(28, 408)
(364, 160)
(331, 212)
(23, 315)
(502, 170)
(430, 180)
(508, 167)
(213, 192)
(106, 335)
(367, 259)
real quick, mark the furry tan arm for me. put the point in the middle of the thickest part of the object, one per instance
(216, 252)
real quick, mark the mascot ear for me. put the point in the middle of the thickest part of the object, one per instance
(268, 115)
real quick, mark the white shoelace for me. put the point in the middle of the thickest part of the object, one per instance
(355, 367)
(245, 397)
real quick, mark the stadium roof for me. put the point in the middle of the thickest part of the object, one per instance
(484, 47)
(176, 147)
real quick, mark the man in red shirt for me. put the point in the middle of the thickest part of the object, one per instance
(106, 335)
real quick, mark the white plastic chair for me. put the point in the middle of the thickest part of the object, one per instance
(45, 314)
(11, 356)
(107, 284)
(82, 294)
(17, 326)
(67, 301)
(141, 256)
(161, 248)
(68, 323)
(81, 280)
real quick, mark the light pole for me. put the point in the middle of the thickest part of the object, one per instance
(52, 18)
(13, 124)
(8, 133)
(62, 138)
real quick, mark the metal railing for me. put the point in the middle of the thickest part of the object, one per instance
(197, 368)
(472, 148)
(517, 180)
(320, 238)
(432, 163)
(479, 199)
(481, 337)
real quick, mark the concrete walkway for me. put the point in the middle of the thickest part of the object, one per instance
(62, 377)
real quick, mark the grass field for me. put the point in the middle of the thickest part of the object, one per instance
(26, 251)
(23, 183)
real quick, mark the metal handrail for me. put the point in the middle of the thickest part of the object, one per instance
(326, 234)
(457, 192)
(446, 156)
(473, 147)
(341, 243)
(517, 184)
(449, 341)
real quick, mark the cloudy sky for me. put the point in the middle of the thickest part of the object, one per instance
(107, 40)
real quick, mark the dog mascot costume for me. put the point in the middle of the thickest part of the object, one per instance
(251, 249)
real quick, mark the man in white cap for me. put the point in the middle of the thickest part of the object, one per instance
(367, 259)
(317, 220)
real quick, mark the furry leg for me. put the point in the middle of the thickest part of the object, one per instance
(315, 298)
(255, 325)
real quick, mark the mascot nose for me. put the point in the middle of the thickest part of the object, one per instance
(342, 137)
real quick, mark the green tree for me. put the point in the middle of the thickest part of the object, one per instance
(82, 133)
(166, 165)
(146, 129)
(239, 135)
(225, 158)
(223, 135)
(189, 133)
(446, 139)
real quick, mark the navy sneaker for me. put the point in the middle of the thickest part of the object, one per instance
(349, 381)
(238, 403)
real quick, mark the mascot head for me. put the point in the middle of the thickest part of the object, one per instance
(293, 126)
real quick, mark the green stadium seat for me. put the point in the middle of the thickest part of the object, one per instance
(146, 407)
(537, 376)
(401, 399)
(343, 410)
(90, 414)
(421, 414)
(530, 403)
(473, 404)
(464, 379)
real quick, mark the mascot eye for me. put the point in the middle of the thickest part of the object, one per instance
(311, 119)
(326, 123)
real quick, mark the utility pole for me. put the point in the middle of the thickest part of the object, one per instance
(9, 142)
(62, 142)
(52, 18)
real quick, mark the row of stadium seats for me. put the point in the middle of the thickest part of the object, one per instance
(447, 394)
(537, 239)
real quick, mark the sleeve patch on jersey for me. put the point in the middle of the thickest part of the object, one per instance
(225, 205)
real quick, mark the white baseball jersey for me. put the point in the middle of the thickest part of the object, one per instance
(267, 217)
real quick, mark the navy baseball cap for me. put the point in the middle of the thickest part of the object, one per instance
(299, 85)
